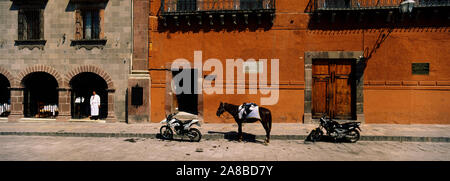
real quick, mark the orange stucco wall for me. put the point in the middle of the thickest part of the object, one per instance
(391, 93)
(407, 106)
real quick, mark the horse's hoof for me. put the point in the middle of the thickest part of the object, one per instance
(240, 138)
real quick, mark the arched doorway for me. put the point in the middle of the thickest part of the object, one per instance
(5, 96)
(40, 97)
(82, 86)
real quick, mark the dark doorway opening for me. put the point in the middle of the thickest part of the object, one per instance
(187, 101)
(5, 96)
(82, 86)
(40, 95)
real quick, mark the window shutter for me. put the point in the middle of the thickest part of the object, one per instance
(21, 25)
(78, 25)
(41, 24)
(101, 19)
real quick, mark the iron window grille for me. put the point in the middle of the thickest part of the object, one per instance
(371, 4)
(197, 6)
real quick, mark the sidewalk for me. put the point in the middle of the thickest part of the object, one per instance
(281, 131)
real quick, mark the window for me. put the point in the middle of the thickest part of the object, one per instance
(89, 28)
(337, 4)
(251, 4)
(88, 24)
(187, 5)
(31, 26)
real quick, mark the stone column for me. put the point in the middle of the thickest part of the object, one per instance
(307, 116)
(63, 105)
(16, 105)
(111, 114)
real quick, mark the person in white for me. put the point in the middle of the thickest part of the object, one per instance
(95, 105)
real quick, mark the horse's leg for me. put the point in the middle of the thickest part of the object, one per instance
(267, 128)
(239, 131)
(269, 125)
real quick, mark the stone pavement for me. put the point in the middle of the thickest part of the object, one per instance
(283, 131)
(59, 148)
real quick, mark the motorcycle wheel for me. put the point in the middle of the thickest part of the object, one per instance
(316, 135)
(166, 132)
(353, 136)
(194, 135)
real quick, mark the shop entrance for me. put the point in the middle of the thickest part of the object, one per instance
(333, 89)
(5, 96)
(40, 95)
(83, 86)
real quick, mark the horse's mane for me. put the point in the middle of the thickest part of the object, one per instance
(231, 108)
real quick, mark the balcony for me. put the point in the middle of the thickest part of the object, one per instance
(186, 7)
(211, 13)
(322, 5)
(354, 14)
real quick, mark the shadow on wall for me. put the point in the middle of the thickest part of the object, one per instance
(73, 5)
(126, 106)
(16, 5)
(381, 21)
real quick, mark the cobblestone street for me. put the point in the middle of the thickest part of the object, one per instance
(89, 148)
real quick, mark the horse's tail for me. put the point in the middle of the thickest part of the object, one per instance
(270, 119)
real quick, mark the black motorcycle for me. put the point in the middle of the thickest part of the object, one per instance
(346, 131)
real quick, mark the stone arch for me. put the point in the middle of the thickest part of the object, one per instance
(92, 69)
(9, 76)
(43, 68)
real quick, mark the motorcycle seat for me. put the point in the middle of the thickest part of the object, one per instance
(185, 116)
(350, 124)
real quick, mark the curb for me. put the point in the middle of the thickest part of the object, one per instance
(225, 136)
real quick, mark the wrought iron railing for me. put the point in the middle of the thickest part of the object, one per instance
(372, 4)
(195, 6)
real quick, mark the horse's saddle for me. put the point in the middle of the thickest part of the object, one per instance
(249, 110)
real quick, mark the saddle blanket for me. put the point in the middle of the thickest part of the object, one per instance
(253, 111)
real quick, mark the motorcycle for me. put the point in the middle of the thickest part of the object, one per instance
(182, 128)
(346, 131)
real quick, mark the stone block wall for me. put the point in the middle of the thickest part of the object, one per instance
(59, 57)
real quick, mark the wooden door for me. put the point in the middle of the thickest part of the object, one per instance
(320, 86)
(333, 89)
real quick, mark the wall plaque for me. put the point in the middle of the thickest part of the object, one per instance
(421, 68)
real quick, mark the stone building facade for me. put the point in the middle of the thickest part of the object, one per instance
(81, 46)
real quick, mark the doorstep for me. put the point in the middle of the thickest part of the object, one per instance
(87, 121)
(36, 120)
(3, 119)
